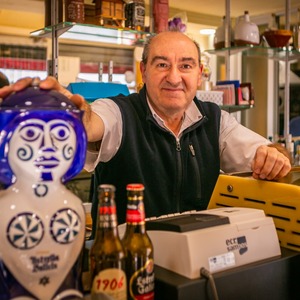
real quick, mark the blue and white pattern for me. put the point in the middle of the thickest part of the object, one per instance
(65, 226)
(25, 231)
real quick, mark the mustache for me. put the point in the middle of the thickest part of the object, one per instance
(170, 86)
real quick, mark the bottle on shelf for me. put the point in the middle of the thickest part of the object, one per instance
(100, 72)
(273, 22)
(110, 71)
(297, 156)
(138, 247)
(296, 32)
(48, 12)
(135, 15)
(107, 256)
(290, 147)
(74, 11)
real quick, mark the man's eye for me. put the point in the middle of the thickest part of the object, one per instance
(186, 66)
(162, 65)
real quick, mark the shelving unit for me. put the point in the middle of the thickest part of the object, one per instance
(75, 31)
(276, 54)
(131, 38)
(88, 32)
(96, 33)
(235, 108)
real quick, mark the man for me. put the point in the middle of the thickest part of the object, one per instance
(164, 137)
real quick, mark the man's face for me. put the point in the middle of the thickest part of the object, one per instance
(172, 73)
(40, 149)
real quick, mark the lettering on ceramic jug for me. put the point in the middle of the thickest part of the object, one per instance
(43, 263)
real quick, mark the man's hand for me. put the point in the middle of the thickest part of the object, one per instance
(271, 162)
(93, 124)
(50, 83)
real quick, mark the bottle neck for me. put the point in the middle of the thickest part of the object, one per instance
(107, 219)
(135, 214)
(246, 17)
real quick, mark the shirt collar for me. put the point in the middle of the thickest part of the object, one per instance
(191, 116)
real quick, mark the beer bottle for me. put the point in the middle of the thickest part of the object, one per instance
(107, 256)
(138, 247)
(135, 14)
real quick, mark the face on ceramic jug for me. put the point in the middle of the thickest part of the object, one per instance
(42, 149)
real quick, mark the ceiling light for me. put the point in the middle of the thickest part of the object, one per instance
(207, 31)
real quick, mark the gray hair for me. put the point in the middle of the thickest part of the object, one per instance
(148, 42)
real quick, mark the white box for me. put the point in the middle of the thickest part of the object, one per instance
(210, 96)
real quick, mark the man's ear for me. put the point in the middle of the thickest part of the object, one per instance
(200, 74)
(143, 69)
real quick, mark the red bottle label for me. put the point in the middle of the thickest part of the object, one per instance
(135, 212)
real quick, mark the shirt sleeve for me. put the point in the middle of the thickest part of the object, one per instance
(238, 144)
(110, 113)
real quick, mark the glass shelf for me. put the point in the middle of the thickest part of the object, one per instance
(235, 108)
(279, 54)
(93, 33)
(226, 51)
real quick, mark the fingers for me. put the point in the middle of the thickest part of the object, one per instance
(270, 164)
(26, 82)
(50, 83)
(79, 101)
(18, 86)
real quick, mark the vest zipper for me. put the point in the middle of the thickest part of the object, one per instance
(178, 147)
(179, 175)
(196, 173)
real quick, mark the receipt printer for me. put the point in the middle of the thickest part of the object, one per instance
(216, 239)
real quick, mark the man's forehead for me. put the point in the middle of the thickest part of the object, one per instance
(180, 49)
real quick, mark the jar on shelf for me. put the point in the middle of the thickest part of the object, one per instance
(74, 11)
(296, 32)
(246, 32)
(219, 38)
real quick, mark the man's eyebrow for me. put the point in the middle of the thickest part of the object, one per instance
(191, 59)
(183, 59)
(157, 57)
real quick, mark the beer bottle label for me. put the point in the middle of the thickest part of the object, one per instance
(135, 213)
(139, 13)
(141, 285)
(108, 217)
(110, 282)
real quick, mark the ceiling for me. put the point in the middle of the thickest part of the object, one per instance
(217, 7)
(199, 11)
(237, 7)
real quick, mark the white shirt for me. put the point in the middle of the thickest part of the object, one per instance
(238, 144)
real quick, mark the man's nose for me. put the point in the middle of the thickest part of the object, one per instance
(174, 75)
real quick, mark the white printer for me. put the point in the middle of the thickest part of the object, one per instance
(216, 239)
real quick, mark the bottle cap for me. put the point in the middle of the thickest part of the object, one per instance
(107, 187)
(135, 187)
